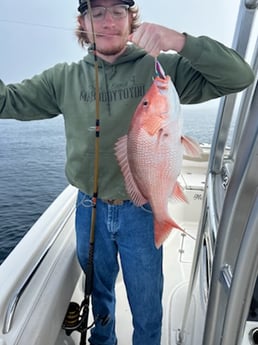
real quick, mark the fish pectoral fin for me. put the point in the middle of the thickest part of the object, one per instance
(191, 146)
(163, 229)
(178, 193)
(130, 184)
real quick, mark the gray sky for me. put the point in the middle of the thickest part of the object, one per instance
(28, 49)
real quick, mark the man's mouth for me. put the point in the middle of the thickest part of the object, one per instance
(107, 34)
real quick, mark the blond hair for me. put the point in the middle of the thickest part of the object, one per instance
(83, 38)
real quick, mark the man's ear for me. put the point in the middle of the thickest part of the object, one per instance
(81, 22)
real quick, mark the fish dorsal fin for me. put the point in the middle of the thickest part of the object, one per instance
(130, 184)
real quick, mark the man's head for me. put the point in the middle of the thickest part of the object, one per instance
(112, 19)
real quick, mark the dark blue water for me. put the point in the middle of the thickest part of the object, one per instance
(32, 158)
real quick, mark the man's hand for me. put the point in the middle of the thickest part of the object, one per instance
(155, 38)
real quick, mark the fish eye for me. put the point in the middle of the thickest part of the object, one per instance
(145, 102)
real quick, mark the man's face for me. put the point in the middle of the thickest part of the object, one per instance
(111, 27)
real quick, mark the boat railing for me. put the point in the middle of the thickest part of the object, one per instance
(235, 265)
(244, 107)
(231, 187)
(19, 290)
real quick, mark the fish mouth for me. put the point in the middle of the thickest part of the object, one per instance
(162, 86)
(162, 83)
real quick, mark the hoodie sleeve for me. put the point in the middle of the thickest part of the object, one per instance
(32, 99)
(207, 69)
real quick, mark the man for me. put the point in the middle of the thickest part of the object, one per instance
(203, 69)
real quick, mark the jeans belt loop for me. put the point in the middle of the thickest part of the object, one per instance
(115, 202)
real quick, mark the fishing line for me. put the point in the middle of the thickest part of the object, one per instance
(54, 27)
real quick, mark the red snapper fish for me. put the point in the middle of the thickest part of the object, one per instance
(150, 155)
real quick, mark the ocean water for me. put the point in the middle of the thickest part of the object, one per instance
(32, 156)
(32, 159)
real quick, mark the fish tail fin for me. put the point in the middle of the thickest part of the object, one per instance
(191, 146)
(163, 229)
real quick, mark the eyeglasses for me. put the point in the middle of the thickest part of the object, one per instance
(116, 11)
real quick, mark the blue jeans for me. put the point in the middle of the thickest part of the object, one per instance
(126, 229)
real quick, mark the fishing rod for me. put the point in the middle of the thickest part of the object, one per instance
(77, 316)
(89, 267)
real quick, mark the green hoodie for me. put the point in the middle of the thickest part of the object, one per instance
(203, 70)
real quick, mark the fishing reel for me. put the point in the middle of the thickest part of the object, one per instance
(76, 318)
